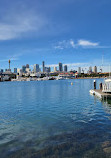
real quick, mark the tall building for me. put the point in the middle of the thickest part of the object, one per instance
(23, 68)
(43, 66)
(79, 70)
(60, 67)
(47, 69)
(90, 69)
(65, 68)
(1, 70)
(95, 69)
(36, 68)
(55, 68)
(27, 65)
(15, 70)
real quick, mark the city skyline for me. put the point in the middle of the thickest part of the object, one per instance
(75, 32)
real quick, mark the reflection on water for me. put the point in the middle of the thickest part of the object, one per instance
(53, 119)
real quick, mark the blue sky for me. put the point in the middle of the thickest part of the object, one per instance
(74, 32)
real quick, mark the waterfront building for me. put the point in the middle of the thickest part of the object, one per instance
(65, 68)
(36, 68)
(43, 66)
(55, 68)
(23, 68)
(60, 67)
(79, 70)
(27, 65)
(15, 70)
(95, 69)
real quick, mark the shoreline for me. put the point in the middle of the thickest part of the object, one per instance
(42, 79)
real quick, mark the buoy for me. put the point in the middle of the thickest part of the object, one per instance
(71, 83)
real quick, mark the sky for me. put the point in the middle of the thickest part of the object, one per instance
(74, 32)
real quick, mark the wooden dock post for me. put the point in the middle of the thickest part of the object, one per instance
(94, 84)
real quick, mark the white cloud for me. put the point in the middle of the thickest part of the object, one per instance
(15, 26)
(72, 43)
(65, 44)
(86, 43)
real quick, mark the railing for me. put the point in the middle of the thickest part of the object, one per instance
(106, 87)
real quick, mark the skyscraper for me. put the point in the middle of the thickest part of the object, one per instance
(90, 69)
(36, 68)
(47, 69)
(95, 69)
(79, 70)
(15, 70)
(23, 68)
(60, 67)
(27, 65)
(55, 68)
(65, 68)
(43, 66)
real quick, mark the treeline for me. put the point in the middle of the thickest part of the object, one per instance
(93, 75)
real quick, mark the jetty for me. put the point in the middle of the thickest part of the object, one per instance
(105, 90)
(100, 94)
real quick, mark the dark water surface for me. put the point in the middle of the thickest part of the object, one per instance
(53, 119)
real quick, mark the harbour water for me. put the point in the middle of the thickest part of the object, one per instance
(53, 119)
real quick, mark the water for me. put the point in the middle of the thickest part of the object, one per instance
(53, 119)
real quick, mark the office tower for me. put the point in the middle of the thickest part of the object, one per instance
(15, 70)
(36, 68)
(1, 70)
(23, 68)
(60, 67)
(90, 69)
(47, 69)
(95, 69)
(79, 70)
(55, 69)
(65, 68)
(43, 66)
(27, 65)
(6, 70)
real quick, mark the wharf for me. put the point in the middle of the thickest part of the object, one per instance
(100, 94)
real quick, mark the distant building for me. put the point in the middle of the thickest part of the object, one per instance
(36, 68)
(6, 70)
(79, 70)
(65, 68)
(60, 67)
(95, 69)
(20, 71)
(27, 65)
(23, 68)
(15, 70)
(1, 70)
(47, 69)
(90, 69)
(55, 68)
(43, 66)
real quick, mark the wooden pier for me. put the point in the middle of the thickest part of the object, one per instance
(100, 94)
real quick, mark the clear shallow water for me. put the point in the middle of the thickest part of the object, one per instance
(53, 119)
